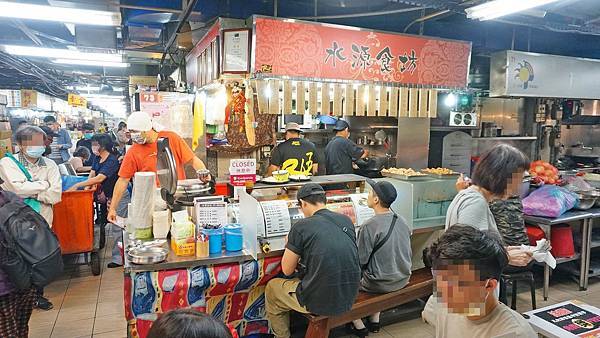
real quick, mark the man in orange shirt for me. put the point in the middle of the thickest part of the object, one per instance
(143, 155)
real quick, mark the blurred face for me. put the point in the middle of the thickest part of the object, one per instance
(513, 187)
(459, 288)
(33, 147)
(96, 148)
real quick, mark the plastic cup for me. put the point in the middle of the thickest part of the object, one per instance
(234, 239)
(215, 240)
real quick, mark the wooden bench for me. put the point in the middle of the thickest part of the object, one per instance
(420, 285)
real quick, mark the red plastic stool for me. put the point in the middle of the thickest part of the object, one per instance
(535, 233)
(562, 241)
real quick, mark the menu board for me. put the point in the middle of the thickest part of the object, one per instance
(363, 212)
(211, 213)
(567, 319)
(277, 217)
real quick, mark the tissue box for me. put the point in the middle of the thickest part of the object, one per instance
(183, 238)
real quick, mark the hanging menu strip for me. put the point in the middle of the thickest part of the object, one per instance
(277, 217)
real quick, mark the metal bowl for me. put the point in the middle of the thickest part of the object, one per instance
(147, 255)
(585, 201)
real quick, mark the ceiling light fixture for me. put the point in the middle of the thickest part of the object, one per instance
(91, 63)
(19, 10)
(61, 53)
(497, 8)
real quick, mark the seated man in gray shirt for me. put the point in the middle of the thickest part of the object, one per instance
(466, 265)
(383, 249)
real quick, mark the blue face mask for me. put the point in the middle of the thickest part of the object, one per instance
(35, 151)
(88, 136)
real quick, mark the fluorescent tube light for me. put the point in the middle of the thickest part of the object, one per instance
(19, 10)
(91, 63)
(497, 8)
(61, 53)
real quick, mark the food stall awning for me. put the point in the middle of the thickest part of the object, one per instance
(514, 73)
(303, 50)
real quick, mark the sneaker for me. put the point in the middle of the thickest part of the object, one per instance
(43, 304)
(113, 265)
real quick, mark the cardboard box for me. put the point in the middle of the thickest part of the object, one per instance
(4, 125)
(183, 238)
(5, 146)
(5, 134)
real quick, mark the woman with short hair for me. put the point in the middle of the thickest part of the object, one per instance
(80, 156)
(497, 176)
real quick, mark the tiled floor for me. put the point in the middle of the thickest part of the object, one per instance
(92, 306)
(84, 305)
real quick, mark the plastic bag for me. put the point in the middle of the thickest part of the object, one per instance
(70, 180)
(549, 201)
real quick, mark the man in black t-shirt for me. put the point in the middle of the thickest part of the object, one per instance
(340, 152)
(296, 155)
(321, 250)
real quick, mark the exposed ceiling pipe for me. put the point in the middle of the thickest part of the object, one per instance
(425, 18)
(182, 19)
(359, 15)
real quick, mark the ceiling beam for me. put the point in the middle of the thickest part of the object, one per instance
(182, 19)
(23, 28)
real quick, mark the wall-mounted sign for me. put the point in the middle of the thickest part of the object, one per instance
(76, 100)
(241, 171)
(28, 98)
(309, 50)
(236, 47)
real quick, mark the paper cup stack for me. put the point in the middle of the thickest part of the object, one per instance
(142, 204)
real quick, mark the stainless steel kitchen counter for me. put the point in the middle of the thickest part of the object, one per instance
(178, 262)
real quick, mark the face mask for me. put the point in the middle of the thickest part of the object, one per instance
(137, 138)
(96, 150)
(88, 136)
(35, 151)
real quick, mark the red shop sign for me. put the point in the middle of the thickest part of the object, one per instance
(300, 49)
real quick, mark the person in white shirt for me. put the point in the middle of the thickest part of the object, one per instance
(466, 264)
(30, 175)
(34, 178)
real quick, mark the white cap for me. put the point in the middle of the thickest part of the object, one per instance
(139, 121)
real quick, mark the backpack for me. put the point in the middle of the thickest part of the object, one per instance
(31, 251)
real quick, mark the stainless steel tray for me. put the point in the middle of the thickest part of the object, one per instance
(406, 178)
(443, 176)
(147, 255)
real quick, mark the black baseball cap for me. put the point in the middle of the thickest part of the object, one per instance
(310, 189)
(384, 190)
(49, 119)
(341, 125)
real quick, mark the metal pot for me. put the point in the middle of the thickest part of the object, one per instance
(585, 201)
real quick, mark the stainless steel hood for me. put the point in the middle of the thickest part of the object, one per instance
(521, 74)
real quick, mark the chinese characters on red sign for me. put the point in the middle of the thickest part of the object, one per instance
(308, 50)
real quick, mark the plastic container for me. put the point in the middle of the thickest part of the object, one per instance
(234, 239)
(562, 241)
(73, 221)
(215, 240)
